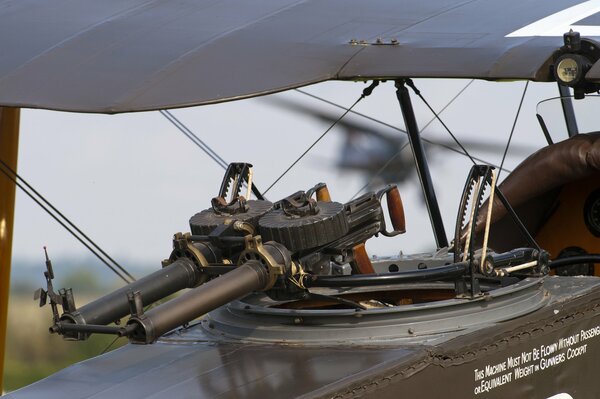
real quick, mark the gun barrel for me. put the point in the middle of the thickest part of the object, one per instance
(180, 274)
(249, 277)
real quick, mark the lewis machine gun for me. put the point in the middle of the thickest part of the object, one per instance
(239, 246)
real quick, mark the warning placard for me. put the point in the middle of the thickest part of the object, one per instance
(535, 360)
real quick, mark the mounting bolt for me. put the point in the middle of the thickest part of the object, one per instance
(411, 331)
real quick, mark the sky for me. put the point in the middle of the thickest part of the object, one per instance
(130, 181)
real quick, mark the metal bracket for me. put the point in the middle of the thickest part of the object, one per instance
(183, 247)
(136, 306)
(255, 251)
(298, 205)
(378, 42)
(64, 297)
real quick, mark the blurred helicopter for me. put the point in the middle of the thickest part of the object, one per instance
(381, 152)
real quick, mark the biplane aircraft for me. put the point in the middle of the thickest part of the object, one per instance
(283, 299)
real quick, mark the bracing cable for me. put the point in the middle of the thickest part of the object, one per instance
(512, 130)
(194, 139)
(106, 349)
(411, 84)
(366, 92)
(202, 145)
(384, 167)
(66, 223)
(370, 118)
(428, 141)
(389, 161)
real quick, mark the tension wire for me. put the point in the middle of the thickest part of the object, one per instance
(366, 92)
(513, 127)
(109, 345)
(193, 138)
(57, 215)
(389, 161)
(202, 145)
(428, 141)
(411, 84)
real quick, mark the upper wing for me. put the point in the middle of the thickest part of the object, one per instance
(132, 55)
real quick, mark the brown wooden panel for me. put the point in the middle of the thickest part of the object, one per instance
(566, 226)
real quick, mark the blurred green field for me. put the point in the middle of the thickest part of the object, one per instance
(32, 353)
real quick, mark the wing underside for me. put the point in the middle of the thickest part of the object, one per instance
(120, 56)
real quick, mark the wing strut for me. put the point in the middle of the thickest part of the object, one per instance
(421, 162)
(568, 111)
(9, 144)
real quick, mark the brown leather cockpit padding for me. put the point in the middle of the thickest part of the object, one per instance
(546, 170)
(533, 187)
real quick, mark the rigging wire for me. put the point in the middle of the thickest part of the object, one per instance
(389, 161)
(203, 146)
(407, 143)
(513, 126)
(379, 121)
(194, 139)
(411, 84)
(366, 92)
(324, 100)
(460, 92)
(312, 145)
(109, 345)
(119, 270)
(428, 141)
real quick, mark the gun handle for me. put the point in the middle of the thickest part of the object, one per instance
(394, 203)
(361, 260)
(323, 194)
(321, 191)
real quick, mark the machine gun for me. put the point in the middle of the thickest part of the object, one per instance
(239, 246)
(236, 247)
